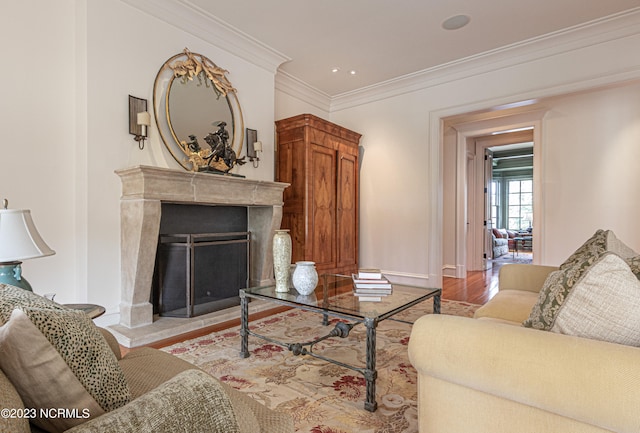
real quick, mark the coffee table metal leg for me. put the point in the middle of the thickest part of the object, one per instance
(244, 326)
(436, 304)
(370, 374)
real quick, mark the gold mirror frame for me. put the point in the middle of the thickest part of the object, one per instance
(192, 69)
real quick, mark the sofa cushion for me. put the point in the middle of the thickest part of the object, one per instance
(604, 304)
(147, 368)
(191, 402)
(10, 399)
(501, 241)
(69, 364)
(511, 306)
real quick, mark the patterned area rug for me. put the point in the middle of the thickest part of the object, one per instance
(526, 258)
(321, 397)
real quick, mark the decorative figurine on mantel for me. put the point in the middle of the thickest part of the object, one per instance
(221, 149)
(221, 158)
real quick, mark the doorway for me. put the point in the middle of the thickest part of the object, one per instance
(467, 240)
(508, 197)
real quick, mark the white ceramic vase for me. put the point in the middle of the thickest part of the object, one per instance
(282, 259)
(305, 277)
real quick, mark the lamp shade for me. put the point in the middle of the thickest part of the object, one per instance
(19, 238)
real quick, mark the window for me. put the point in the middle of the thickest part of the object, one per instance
(520, 204)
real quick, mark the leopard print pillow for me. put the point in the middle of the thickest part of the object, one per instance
(12, 297)
(86, 352)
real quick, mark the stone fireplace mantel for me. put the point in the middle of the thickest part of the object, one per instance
(145, 188)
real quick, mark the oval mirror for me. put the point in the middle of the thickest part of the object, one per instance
(198, 113)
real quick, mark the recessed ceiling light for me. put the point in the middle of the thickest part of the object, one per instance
(334, 70)
(456, 22)
(352, 72)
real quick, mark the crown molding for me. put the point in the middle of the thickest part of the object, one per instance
(582, 36)
(193, 20)
(290, 85)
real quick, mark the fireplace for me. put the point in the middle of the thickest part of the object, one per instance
(145, 190)
(202, 259)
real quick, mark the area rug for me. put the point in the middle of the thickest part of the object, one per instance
(525, 259)
(320, 396)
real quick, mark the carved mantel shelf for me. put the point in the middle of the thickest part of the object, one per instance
(155, 183)
(145, 188)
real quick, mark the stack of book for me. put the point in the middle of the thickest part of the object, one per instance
(369, 285)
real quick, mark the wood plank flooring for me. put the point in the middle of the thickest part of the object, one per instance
(477, 288)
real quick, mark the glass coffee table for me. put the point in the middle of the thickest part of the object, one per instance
(334, 297)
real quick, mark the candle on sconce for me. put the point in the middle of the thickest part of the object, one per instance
(257, 146)
(144, 120)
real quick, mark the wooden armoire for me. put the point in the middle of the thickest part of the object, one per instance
(320, 161)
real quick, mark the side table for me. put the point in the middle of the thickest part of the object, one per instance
(91, 310)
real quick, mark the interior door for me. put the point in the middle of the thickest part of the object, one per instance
(488, 223)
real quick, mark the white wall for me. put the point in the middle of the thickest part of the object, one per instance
(38, 150)
(65, 119)
(288, 105)
(591, 179)
(401, 179)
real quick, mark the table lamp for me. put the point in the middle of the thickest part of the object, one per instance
(19, 240)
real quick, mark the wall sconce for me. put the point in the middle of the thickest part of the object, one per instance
(253, 147)
(139, 119)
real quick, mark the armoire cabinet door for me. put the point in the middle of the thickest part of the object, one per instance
(347, 211)
(322, 230)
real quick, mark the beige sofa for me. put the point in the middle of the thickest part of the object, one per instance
(490, 374)
(166, 393)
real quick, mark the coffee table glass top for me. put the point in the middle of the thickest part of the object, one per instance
(334, 293)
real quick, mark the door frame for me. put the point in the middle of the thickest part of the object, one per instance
(468, 130)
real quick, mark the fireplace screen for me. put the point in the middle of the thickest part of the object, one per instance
(201, 273)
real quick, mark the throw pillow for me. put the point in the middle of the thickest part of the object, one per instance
(596, 245)
(41, 376)
(12, 297)
(634, 264)
(552, 294)
(604, 304)
(559, 283)
(83, 350)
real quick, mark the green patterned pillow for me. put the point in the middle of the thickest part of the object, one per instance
(604, 304)
(559, 283)
(553, 292)
(634, 265)
(601, 242)
(12, 297)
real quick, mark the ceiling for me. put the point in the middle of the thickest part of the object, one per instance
(385, 39)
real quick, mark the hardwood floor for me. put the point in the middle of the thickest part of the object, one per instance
(477, 288)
